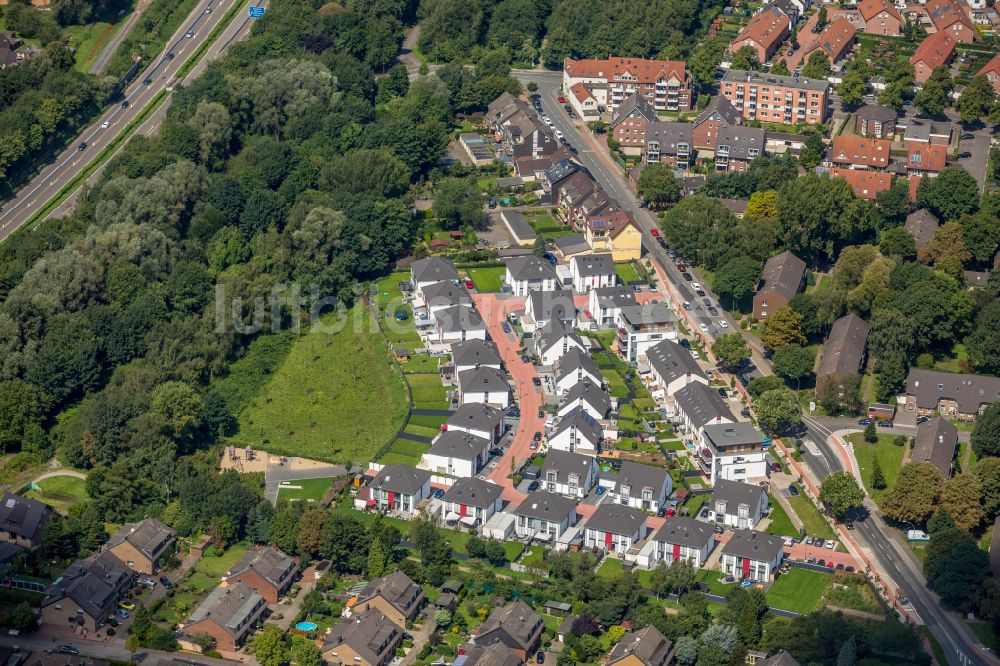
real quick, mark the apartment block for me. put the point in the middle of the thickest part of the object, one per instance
(775, 98)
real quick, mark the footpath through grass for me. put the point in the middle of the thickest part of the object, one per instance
(336, 397)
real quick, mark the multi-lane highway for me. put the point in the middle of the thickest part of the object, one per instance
(958, 641)
(158, 76)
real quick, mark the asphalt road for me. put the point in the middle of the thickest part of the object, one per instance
(614, 184)
(112, 650)
(958, 641)
(95, 138)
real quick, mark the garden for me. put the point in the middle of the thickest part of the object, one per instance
(59, 492)
(180, 602)
(304, 490)
(487, 278)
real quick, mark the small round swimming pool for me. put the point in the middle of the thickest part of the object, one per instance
(306, 626)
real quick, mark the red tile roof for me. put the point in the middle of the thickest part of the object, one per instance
(935, 50)
(992, 72)
(580, 92)
(766, 28)
(872, 8)
(866, 184)
(926, 157)
(944, 13)
(860, 150)
(836, 39)
(644, 71)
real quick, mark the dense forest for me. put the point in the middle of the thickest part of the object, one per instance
(275, 166)
(527, 32)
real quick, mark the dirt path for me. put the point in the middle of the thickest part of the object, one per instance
(108, 50)
(60, 472)
(406, 55)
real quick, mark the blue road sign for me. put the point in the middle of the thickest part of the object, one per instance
(257, 12)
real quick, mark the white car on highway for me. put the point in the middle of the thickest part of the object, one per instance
(105, 124)
(696, 286)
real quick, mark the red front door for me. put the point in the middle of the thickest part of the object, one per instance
(607, 540)
(391, 498)
(746, 567)
(677, 551)
(461, 510)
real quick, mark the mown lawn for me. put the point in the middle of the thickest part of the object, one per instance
(60, 492)
(308, 489)
(487, 279)
(420, 363)
(216, 565)
(812, 521)
(336, 397)
(711, 578)
(616, 384)
(781, 524)
(429, 421)
(626, 273)
(405, 452)
(889, 455)
(799, 590)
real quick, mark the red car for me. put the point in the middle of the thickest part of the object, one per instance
(654, 231)
(775, 467)
(469, 284)
(562, 100)
(682, 268)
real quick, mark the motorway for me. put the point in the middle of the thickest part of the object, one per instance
(957, 639)
(91, 141)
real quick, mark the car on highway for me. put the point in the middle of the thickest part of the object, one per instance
(884, 424)
(68, 649)
(562, 100)
(208, 10)
(703, 327)
(687, 277)
(849, 524)
(964, 155)
(864, 422)
(125, 104)
(170, 56)
(967, 136)
(82, 147)
(506, 327)
(105, 124)
(146, 81)
(190, 34)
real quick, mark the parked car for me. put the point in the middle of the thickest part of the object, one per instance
(122, 613)
(533, 486)
(469, 284)
(562, 100)
(547, 120)
(713, 311)
(537, 381)
(687, 277)
(923, 419)
(147, 582)
(964, 155)
(849, 569)
(599, 491)
(849, 524)
(830, 544)
(703, 327)
(127, 605)
(68, 649)
(165, 582)
(560, 135)
(792, 490)
(685, 343)
(654, 231)
(722, 392)
(533, 446)
(438, 493)
(967, 136)
(885, 424)
(537, 437)
(506, 327)
(697, 287)
(821, 562)
(864, 422)
(682, 268)
(694, 354)
(687, 305)
(540, 658)
(722, 323)
(775, 467)
(719, 529)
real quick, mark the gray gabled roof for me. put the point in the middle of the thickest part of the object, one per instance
(594, 265)
(517, 619)
(584, 423)
(702, 405)
(671, 362)
(496, 654)
(636, 106)
(371, 635)
(876, 113)
(741, 140)
(483, 378)
(572, 244)
(671, 137)
(638, 477)
(648, 314)
(397, 588)
(617, 519)
(552, 304)
(684, 531)
(591, 394)
(615, 297)
(530, 268)
(720, 108)
(460, 445)
(921, 224)
(782, 274)
(229, 607)
(935, 443)
(22, 516)
(754, 545)
(845, 347)
(553, 332)
(447, 292)
(969, 391)
(476, 415)
(398, 478)
(782, 658)
(475, 352)
(574, 360)
(647, 645)
(474, 492)
(459, 318)
(735, 493)
(433, 269)
(269, 563)
(548, 506)
(94, 584)
(149, 536)
(564, 463)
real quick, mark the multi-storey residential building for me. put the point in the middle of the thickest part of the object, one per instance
(949, 16)
(641, 487)
(844, 352)
(669, 143)
(642, 326)
(775, 98)
(752, 556)
(866, 184)
(737, 147)
(696, 406)
(732, 451)
(834, 42)
(779, 282)
(880, 17)
(569, 474)
(682, 538)
(629, 123)
(875, 121)
(925, 159)
(544, 515)
(715, 117)
(471, 502)
(614, 528)
(665, 84)
(764, 33)
(936, 50)
(856, 152)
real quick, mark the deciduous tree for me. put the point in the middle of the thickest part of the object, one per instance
(731, 349)
(915, 495)
(961, 497)
(658, 186)
(778, 410)
(985, 436)
(840, 490)
(793, 362)
(782, 327)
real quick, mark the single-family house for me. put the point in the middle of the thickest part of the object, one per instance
(718, 115)
(752, 556)
(866, 184)
(457, 324)
(544, 516)
(614, 528)
(991, 71)
(835, 41)
(589, 397)
(683, 538)
(456, 453)
(22, 520)
(764, 33)
(542, 306)
(612, 230)
(671, 367)
(471, 501)
(445, 294)
(646, 647)
(639, 327)
(554, 340)
(577, 431)
(954, 395)
(430, 270)
(266, 571)
(399, 488)
(732, 451)
(605, 303)
(516, 625)
(844, 352)
(925, 160)
(880, 17)
(951, 17)
(84, 597)
(496, 654)
(697, 405)
(527, 274)
(484, 385)
(641, 486)
(368, 639)
(473, 354)
(736, 504)
(936, 50)
(569, 474)
(229, 615)
(477, 419)
(574, 367)
(936, 443)
(396, 596)
(779, 282)
(592, 271)
(143, 546)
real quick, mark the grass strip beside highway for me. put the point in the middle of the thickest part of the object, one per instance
(195, 57)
